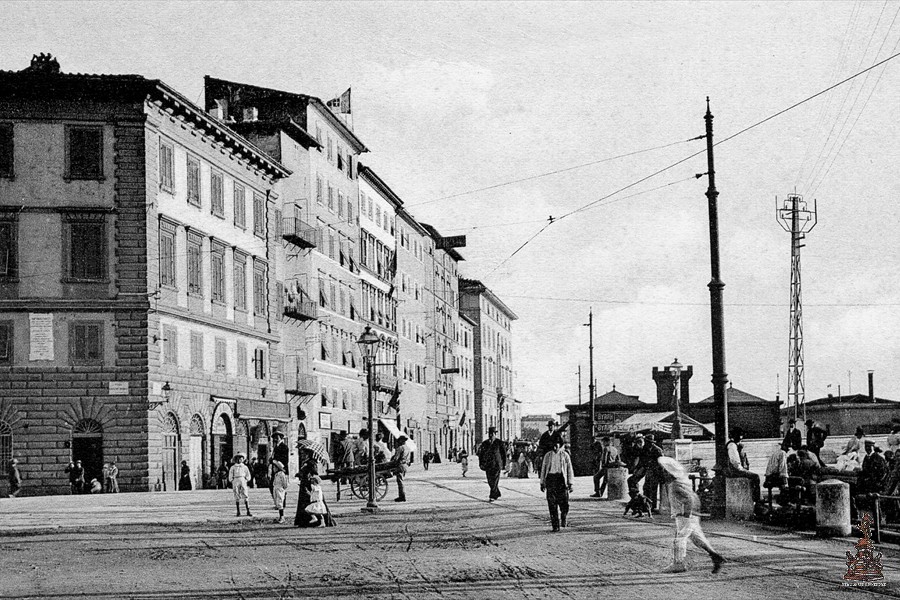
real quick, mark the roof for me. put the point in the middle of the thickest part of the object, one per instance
(437, 236)
(289, 126)
(370, 177)
(659, 421)
(41, 83)
(476, 287)
(270, 93)
(736, 396)
(468, 319)
(618, 398)
(851, 399)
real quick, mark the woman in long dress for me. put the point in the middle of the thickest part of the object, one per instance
(309, 468)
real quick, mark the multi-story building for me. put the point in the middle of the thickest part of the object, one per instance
(322, 287)
(464, 386)
(442, 287)
(495, 403)
(413, 304)
(378, 206)
(137, 282)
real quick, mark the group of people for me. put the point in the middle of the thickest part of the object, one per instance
(108, 481)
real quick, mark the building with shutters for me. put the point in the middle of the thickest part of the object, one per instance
(495, 402)
(321, 304)
(138, 315)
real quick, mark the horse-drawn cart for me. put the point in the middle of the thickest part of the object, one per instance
(358, 478)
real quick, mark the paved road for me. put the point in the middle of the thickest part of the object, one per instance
(447, 542)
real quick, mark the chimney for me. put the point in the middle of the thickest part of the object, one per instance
(871, 386)
(251, 114)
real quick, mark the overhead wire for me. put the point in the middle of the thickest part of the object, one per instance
(685, 159)
(706, 303)
(554, 172)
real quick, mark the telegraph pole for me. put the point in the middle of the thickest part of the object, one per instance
(579, 384)
(798, 220)
(717, 318)
(591, 389)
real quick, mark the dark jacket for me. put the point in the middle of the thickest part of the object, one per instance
(281, 454)
(492, 455)
(793, 439)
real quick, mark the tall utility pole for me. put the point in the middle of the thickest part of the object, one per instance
(579, 384)
(591, 390)
(717, 317)
(798, 220)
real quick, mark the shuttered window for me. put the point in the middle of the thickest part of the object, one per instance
(84, 152)
(240, 206)
(221, 355)
(166, 167)
(217, 194)
(87, 248)
(86, 342)
(240, 282)
(193, 181)
(217, 266)
(259, 289)
(259, 215)
(7, 150)
(6, 342)
(8, 246)
(195, 266)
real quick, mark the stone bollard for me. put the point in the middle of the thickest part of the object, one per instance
(738, 498)
(617, 486)
(832, 508)
(664, 508)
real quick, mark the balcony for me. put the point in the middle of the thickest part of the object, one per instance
(298, 378)
(297, 305)
(298, 232)
(385, 383)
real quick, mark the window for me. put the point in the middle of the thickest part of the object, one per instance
(6, 342)
(259, 288)
(259, 215)
(319, 135)
(217, 194)
(217, 264)
(330, 198)
(319, 187)
(340, 203)
(378, 216)
(196, 350)
(166, 167)
(8, 245)
(340, 158)
(86, 343)
(221, 353)
(167, 254)
(170, 345)
(193, 181)
(195, 264)
(371, 217)
(240, 282)
(349, 211)
(7, 150)
(84, 152)
(331, 244)
(324, 396)
(242, 359)
(87, 247)
(259, 363)
(240, 206)
(330, 149)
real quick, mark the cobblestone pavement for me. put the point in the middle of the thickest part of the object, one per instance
(446, 542)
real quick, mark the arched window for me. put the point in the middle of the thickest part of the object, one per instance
(87, 446)
(88, 428)
(170, 452)
(197, 425)
(6, 440)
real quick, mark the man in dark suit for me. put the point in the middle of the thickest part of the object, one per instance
(281, 453)
(492, 460)
(793, 439)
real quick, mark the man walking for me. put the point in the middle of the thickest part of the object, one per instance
(557, 476)
(492, 460)
(609, 455)
(280, 454)
(653, 479)
(401, 457)
(14, 478)
(545, 443)
(685, 504)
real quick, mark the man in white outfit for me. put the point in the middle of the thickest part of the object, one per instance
(685, 503)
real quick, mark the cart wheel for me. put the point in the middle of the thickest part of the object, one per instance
(359, 486)
(381, 487)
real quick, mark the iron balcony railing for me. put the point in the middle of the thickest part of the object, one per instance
(298, 232)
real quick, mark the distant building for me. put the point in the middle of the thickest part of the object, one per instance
(536, 423)
(843, 414)
(464, 387)
(758, 417)
(495, 403)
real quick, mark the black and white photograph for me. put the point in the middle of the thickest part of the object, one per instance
(449, 300)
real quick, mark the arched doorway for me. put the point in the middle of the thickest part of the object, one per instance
(196, 446)
(170, 453)
(222, 440)
(87, 446)
(301, 431)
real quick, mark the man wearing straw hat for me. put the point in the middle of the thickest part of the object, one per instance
(238, 476)
(685, 504)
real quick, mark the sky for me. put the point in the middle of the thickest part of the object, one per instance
(451, 98)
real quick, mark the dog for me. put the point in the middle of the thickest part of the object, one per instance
(639, 506)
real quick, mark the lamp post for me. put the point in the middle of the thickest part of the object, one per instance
(368, 346)
(676, 367)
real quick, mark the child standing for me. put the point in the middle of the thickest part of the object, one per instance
(279, 488)
(238, 476)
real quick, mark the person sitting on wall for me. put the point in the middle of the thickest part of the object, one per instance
(735, 467)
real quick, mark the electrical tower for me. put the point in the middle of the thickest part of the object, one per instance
(798, 219)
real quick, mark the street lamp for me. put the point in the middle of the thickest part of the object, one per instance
(676, 367)
(368, 346)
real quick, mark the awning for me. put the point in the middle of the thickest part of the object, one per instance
(263, 409)
(660, 422)
(391, 427)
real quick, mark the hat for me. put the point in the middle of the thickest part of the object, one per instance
(278, 465)
(401, 439)
(278, 431)
(870, 442)
(492, 429)
(551, 422)
(638, 436)
(650, 437)
(672, 467)
(239, 454)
